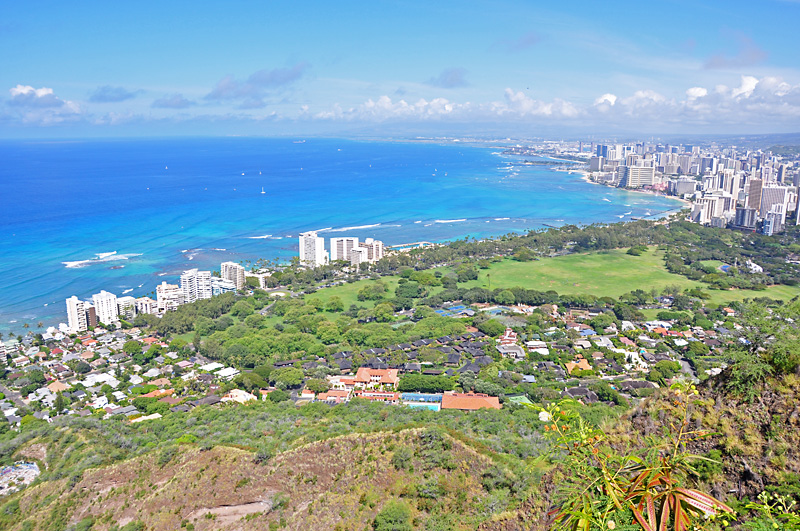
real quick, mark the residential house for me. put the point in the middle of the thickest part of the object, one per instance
(469, 401)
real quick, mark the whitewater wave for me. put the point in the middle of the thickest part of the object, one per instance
(451, 220)
(628, 213)
(264, 237)
(357, 227)
(127, 291)
(606, 199)
(417, 222)
(501, 219)
(100, 258)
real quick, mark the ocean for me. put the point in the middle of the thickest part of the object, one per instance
(123, 215)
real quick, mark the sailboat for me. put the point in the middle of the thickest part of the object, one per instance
(262, 190)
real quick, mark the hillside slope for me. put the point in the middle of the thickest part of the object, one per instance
(341, 483)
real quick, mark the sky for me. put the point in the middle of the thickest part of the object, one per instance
(113, 69)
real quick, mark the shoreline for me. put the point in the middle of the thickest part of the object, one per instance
(586, 176)
(159, 263)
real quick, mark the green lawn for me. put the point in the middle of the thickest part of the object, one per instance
(606, 273)
(349, 292)
(773, 292)
(713, 263)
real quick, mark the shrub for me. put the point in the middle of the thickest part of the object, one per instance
(395, 516)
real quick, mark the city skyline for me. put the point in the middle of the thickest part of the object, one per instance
(100, 70)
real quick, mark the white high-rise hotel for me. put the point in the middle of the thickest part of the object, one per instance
(312, 250)
(233, 272)
(196, 285)
(341, 247)
(367, 251)
(76, 314)
(105, 305)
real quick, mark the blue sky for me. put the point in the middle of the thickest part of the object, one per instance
(155, 68)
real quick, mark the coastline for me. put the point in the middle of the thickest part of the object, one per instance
(221, 214)
(586, 176)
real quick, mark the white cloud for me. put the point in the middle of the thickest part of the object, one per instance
(384, 108)
(41, 106)
(520, 104)
(747, 87)
(696, 92)
(606, 99)
(27, 96)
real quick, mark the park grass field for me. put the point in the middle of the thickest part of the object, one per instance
(349, 292)
(607, 273)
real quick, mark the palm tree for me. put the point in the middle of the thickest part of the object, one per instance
(40, 324)
(26, 326)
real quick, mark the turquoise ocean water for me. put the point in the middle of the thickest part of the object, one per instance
(163, 206)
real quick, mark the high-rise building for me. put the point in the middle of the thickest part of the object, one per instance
(771, 224)
(637, 176)
(196, 285)
(233, 272)
(91, 315)
(596, 163)
(754, 194)
(775, 198)
(683, 186)
(358, 256)
(126, 306)
(746, 218)
(105, 304)
(374, 249)
(146, 305)
(312, 250)
(341, 247)
(222, 285)
(76, 314)
(169, 297)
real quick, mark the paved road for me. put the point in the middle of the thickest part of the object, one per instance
(13, 396)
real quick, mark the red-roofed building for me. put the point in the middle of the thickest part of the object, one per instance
(335, 396)
(171, 400)
(469, 401)
(390, 397)
(579, 363)
(308, 394)
(509, 337)
(158, 393)
(372, 377)
(627, 342)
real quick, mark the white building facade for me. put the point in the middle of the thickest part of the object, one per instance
(196, 285)
(76, 314)
(233, 272)
(312, 250)
(341, 247)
